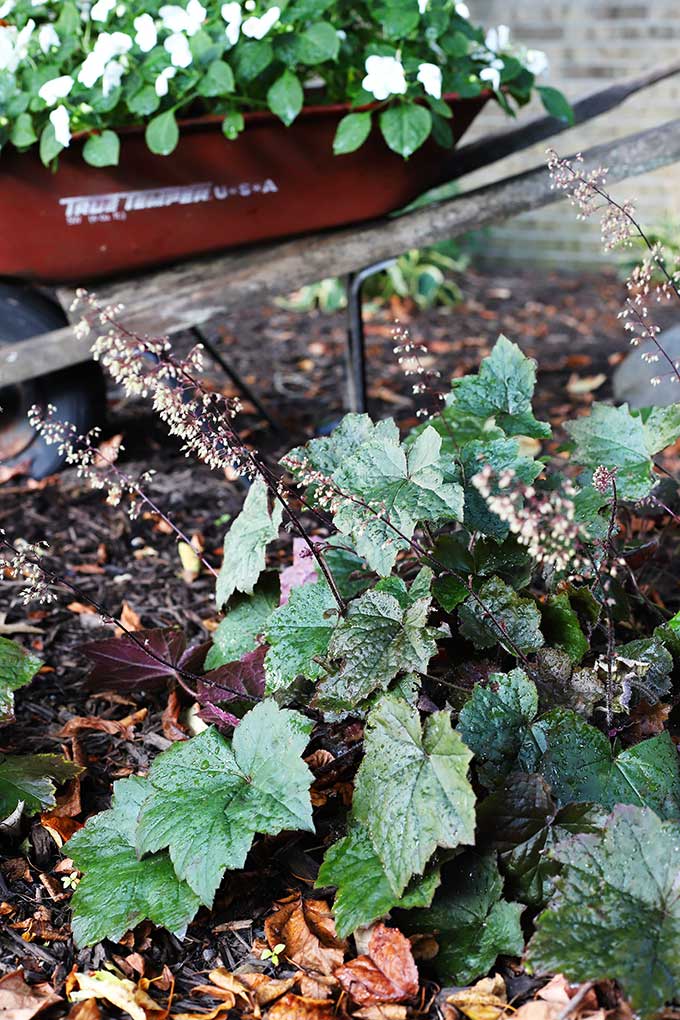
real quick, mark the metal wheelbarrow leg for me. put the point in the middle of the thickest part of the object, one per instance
(356, 346)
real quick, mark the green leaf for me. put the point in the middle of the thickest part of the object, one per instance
(364, 893)
(561, 627)
(352, 132)
(472, 922)
(246, 543)
(405, 126)
(390, 486)
(298, 634)
(49, 146)
(581, 765)
(502, 618)
(246, 618)
(662, 427)
(23, 133)
(252, 58)
(32, 779)
(162, 133)
(144, 102)
(318, 43)
(522, 821)
(233, 124)
(285, 97)
(118, 890)
(376, 640)
(326, 454)
(495, 720)
(102, 149)
(17, 668)
(412, 791)
(656, 682)
(208, 797)
(555, 103)
(616, 913)
(218, 80)
(503, 389)
(616, 438)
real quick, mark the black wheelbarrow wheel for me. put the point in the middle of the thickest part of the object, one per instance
(78, 393)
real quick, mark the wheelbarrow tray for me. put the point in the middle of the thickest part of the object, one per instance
(81, 223)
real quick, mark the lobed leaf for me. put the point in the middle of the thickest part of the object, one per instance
(245, 545)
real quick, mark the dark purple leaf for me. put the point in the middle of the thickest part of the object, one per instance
(236, 685)
(121, 664)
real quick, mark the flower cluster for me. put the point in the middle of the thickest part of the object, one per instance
(100, 66)
(20, 561)
(543, 520)
(587, 191)
(147, 367)
(414, 361)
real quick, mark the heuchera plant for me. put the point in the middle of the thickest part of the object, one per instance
(475, 613)
(79, 68)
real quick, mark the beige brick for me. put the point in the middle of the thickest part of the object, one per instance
(589, 43)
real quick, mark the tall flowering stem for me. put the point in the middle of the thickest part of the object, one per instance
(97, 464)
(587, 191)
(203, 420)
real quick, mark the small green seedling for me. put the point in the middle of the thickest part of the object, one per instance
(273, 954)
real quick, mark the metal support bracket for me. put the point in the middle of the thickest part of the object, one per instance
(356, 347)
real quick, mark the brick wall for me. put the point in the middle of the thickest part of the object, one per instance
(589, 43)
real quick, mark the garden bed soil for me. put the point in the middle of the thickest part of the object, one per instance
(568, 322)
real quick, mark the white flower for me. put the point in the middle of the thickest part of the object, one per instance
(108, 46)
(430, 77)
(61, 122)
(497, 39)
(257, 28)
(492, 74)
(231, 13)
(422, 5)
(7, 8)
(462, 10)
(536, 61)
(113, 73)
(161, 84)
(14, 45)
(101, 10)
(384, 77)
(147, 36)
(47, 38)
(177, 19)
(55, 89)
(177, 45)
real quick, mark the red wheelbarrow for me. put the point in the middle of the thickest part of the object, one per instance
(81, 225)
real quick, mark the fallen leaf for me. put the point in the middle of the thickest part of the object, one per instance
(129, 618)
(388, 1011)
(121, 727)
(88, 1009)
(80, 608)
(579, 384)
(647, 720)
(486, 1000)
(172, 727)
(387, 974)
(190, 560)
(20, 1001)
(296, 1007)
(556, 990)
(307, 930)
(119, 991)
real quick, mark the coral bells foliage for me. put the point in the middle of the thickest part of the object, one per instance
(78, 68)
(460, 634)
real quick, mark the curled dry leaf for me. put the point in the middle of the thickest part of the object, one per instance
(88, 1009)
(296, 1007)
(485, 1000)
(386, 974)
(21, 1001)
(118, 727)
(388, 1011)
(119, 991)
(251, 989)
(307, 929)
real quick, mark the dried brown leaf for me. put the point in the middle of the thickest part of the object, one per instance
(296, 1007)
(486, 1000)
(20, 1001)
(387, 974)
(307, 929)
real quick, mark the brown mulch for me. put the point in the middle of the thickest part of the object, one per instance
(295, 362)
